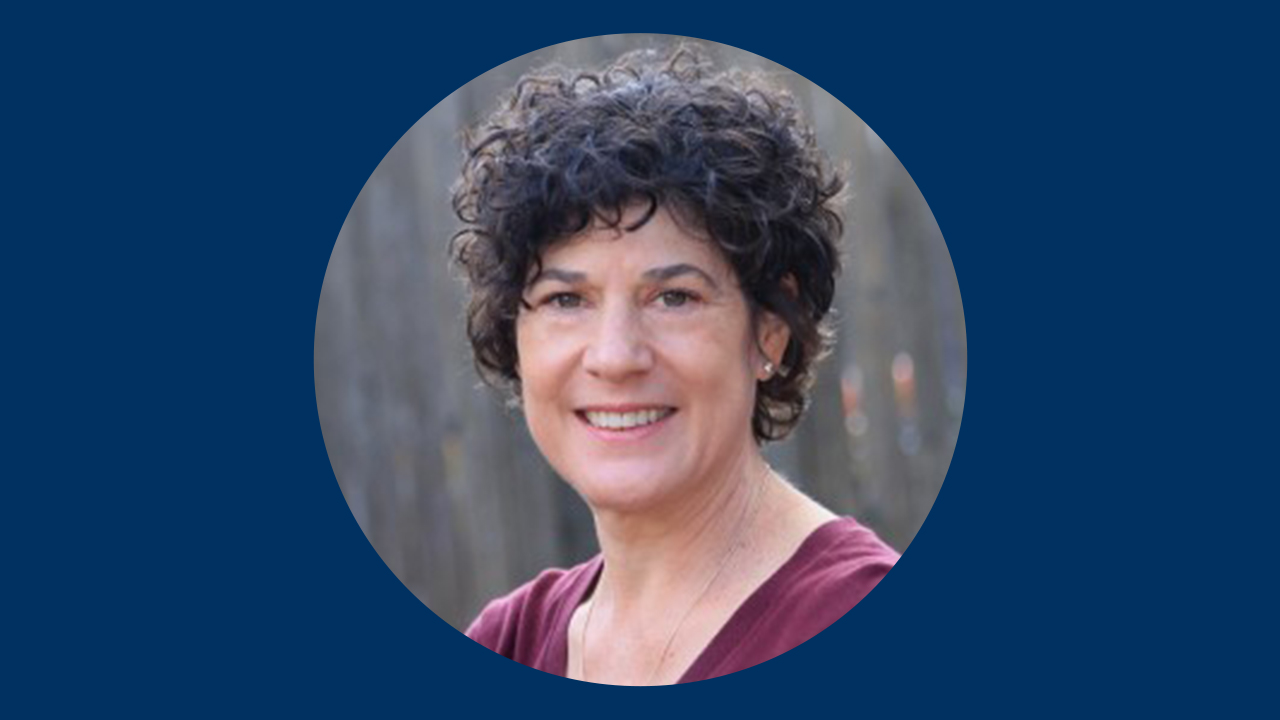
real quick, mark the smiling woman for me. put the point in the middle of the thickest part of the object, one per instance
(651, 258)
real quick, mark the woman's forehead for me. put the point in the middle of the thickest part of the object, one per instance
(662, 238)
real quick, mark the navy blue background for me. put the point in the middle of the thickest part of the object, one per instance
(176, 540)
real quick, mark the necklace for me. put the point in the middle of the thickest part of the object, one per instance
(753, 507)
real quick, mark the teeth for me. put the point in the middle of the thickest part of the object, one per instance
(624, 421)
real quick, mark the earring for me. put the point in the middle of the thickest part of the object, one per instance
(768, 369)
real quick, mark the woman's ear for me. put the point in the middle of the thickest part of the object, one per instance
(772, 335)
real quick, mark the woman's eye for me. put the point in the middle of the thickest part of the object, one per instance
(675, 298)
(564, 301)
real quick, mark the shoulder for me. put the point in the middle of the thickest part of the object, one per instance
(518, 624)
(841, 561)
(832, 571)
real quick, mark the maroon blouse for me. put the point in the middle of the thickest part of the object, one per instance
(834, 568)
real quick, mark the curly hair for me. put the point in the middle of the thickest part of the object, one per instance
(727, 151)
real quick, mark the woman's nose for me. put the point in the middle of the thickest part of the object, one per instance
(619, 347)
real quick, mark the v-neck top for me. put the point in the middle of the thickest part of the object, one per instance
(834, 568)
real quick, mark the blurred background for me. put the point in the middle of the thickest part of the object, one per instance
(444, 479)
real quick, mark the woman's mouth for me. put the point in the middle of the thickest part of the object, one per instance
(626, 420)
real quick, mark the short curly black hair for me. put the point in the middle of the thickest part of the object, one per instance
(727, 151)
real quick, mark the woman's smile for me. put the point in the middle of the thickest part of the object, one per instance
(626, 423)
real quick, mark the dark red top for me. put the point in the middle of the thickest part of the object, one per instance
(834, 568)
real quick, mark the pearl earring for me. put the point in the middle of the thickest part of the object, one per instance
(768, 369)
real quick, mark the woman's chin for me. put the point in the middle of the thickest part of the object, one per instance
(622, 492)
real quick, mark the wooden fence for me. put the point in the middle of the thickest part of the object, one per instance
(446, 482)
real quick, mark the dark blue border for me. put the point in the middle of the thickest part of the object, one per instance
(181, 546)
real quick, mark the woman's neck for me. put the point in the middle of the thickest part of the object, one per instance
(667, 552)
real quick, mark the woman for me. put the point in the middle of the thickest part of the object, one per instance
(651, 254)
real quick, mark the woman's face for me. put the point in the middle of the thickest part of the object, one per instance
(638, 363)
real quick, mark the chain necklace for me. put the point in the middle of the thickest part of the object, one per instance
(754, 507)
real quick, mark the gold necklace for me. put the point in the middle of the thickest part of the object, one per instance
(753, 506)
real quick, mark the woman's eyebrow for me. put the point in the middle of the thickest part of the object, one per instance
(568, 277)
(671, 271)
